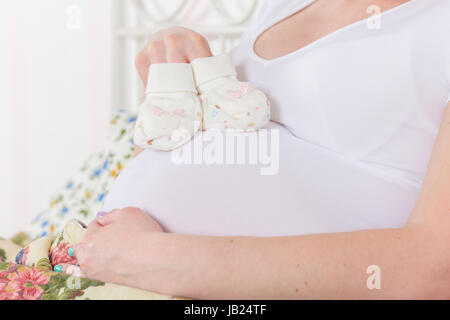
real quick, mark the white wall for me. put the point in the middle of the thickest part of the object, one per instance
(54, 89)
(60, 75)
(221, 21)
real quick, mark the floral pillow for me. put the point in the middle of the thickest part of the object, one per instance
(82, 195)
(26, 273)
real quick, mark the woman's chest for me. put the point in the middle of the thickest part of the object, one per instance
(313, 21)
(309, 190)
(358, 93)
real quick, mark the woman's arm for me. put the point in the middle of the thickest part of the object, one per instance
(433, 206)
(414, 261)
(174, 44)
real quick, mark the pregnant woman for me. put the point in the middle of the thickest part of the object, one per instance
(363, 114)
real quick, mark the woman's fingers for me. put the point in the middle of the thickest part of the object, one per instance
(200, 47)
(142, 64)
(101, 214)
(176, 45)
(76, 250)
(106, 218)
(69, 269)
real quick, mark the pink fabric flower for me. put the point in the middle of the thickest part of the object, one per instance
(22, 259)
(12, 268)
(245, 87)
(177, 112)
(27, 283)
(8, 295)
(3, 280)
(60, 254)
(160, 112)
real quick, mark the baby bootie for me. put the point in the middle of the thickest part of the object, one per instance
(228, 103)
(171, 113)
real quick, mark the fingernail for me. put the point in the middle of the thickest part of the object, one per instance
(58, 268)
(100, 214)
(70, 252)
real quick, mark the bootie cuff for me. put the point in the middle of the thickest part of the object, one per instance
(211, 68)
(170, 77)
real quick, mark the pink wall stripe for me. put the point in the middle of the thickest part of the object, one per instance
(98, 33)
(19, 51)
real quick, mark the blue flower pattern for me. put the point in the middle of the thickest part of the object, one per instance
(84, 193)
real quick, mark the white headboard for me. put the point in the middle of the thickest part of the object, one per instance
(134, 21)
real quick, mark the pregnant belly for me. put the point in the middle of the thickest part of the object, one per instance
(313, 191)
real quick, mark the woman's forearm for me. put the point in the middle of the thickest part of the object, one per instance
(324, 266)
(413, 261)
(433, 206)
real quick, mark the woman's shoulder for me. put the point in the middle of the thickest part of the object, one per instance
(436, 25)
(432, 28)
(441, 5)
(432, 18)
(436, 10)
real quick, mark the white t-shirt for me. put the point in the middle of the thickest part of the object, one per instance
(357, 112)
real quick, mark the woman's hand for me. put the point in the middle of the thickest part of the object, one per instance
(113, 247)
(174, 44)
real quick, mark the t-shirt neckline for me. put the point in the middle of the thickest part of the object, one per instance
(311, 45)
